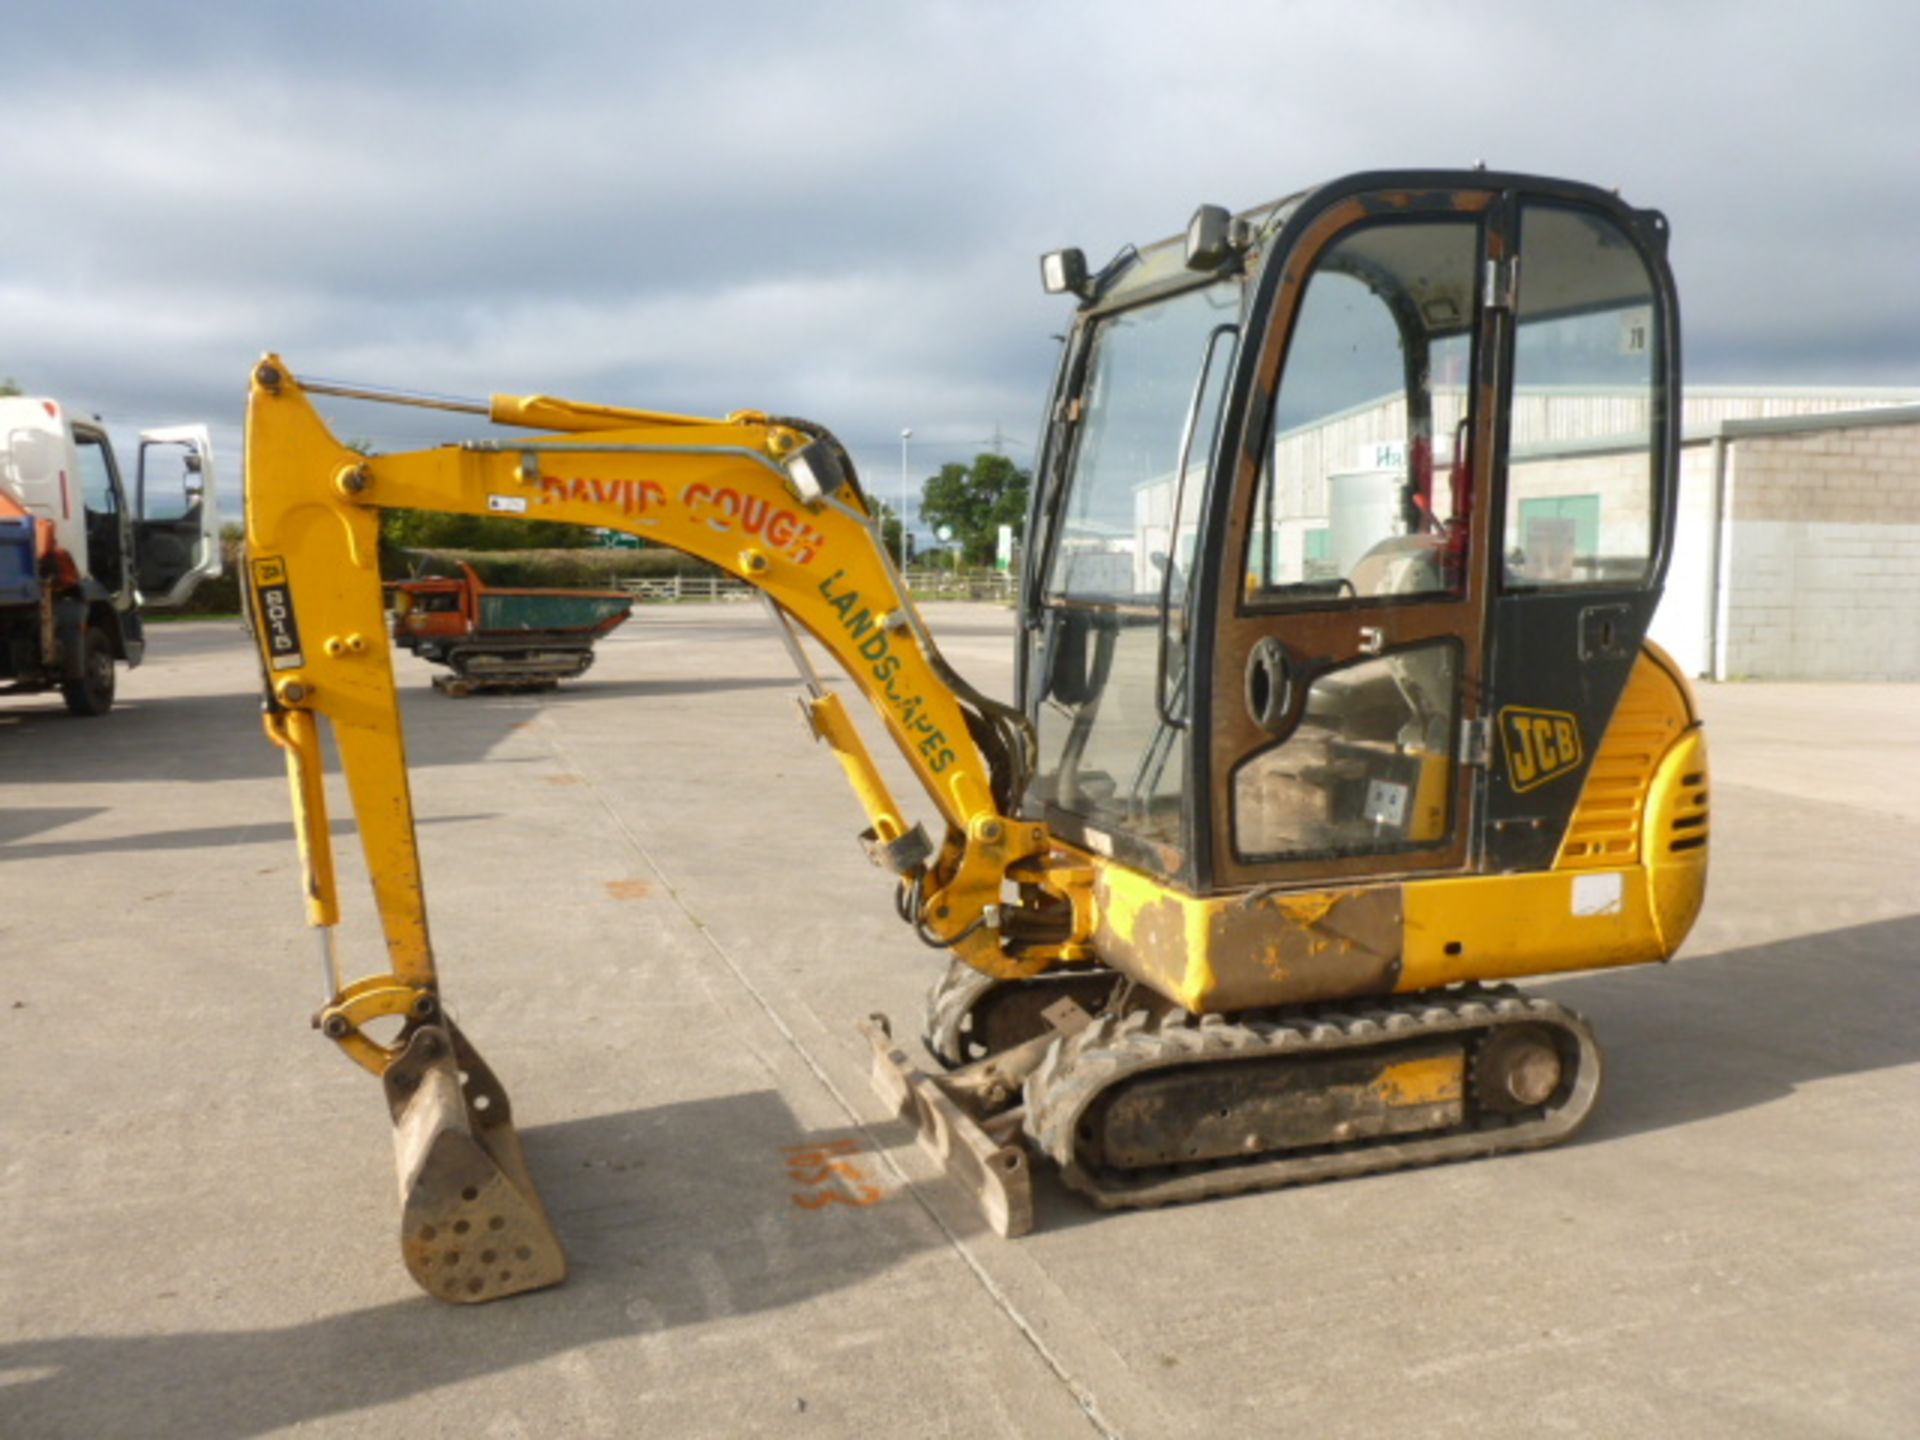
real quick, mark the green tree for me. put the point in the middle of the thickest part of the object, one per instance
(976, 500)
(9, 386)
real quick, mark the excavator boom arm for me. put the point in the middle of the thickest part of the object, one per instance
(771, 502)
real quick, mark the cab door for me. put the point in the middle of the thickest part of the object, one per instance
(1349, 633)
(176, 514)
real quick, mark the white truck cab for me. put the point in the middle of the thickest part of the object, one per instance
(62, 499)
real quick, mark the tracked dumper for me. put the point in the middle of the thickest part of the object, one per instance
(501, 637)
(1335, 711)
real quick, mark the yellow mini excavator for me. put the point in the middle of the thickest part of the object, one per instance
(1335, 710)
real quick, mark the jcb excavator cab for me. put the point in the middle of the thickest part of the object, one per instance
(1351, 518)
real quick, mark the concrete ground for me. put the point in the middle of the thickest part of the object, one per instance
(650, 912)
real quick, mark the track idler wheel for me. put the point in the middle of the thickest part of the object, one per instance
(472, 1227)
(1517, 1068)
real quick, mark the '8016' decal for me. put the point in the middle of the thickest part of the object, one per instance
(275, 598)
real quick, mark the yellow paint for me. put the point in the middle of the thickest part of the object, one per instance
(1436, 1080)
(1162, 933)
(299, 738)
(832, 724)
(1507, 926)
(1674, 839)
(1653, 710)
(1431, 797)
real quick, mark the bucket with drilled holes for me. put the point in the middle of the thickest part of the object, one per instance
(472, 1227)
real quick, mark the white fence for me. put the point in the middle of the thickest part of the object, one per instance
(689, 587)
(924, 584)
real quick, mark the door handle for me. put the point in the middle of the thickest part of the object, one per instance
(1373, 639)
(1269, 688)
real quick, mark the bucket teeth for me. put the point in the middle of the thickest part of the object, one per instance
(472, 1226)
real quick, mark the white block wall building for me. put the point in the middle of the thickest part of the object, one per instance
(1797, 553)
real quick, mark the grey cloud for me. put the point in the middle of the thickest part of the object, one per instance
(835, 210)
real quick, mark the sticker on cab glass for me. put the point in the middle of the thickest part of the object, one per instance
(276, 613)
(1540, 745)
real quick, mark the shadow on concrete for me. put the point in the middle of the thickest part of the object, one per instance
(198, 838)
(672, 1216)
(186, 737)
(19, 821)
(218, 737)
(1724, 1032)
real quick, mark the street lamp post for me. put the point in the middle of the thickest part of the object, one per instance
(906, 434)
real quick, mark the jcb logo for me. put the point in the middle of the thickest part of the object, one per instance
(1540, 745)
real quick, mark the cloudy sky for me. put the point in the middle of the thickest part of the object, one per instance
(835, 209)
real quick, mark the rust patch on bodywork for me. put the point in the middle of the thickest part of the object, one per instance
(1293, 949)
(1146, 942)
(1241, 952)
(629, 889)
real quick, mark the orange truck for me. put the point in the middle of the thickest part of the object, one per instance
(502, 637)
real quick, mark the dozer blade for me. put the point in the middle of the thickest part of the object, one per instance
(472, 1227)
(998, 1176)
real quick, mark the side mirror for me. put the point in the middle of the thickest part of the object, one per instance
(1064, 272)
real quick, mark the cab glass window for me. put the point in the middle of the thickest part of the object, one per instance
(1365, 494)
(1112, 664)
(1116, 533)
(170, 481)
(1368, 770)
(1580, 473)
(96, 476)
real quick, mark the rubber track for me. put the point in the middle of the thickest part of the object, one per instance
(960, 989)
(1113, 1049)
(949, 1003)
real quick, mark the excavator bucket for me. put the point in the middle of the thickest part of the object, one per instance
(472, 1227)
(998, 1176)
